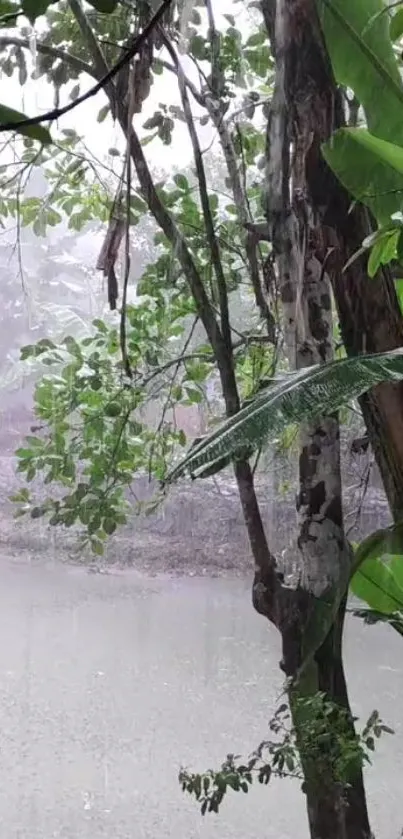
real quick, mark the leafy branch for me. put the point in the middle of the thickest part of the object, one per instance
(328, 741)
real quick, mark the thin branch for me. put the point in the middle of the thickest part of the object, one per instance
(203, 191)
(24, 167)
(176, 362)
(90, 163)
(216, 76)
(100, 64)
(74, 62)
(102, 84)
(18, 234)
(197, 95)
(128, 168)
(171, 384)
(239, 193)
(167, 224)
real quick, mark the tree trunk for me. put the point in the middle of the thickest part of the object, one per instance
(370, 321)
(310, 616)
(369, 311)
(352, 805)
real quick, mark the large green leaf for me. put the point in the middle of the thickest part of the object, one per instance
(379, 576)
(371, 169)
(358, 40)
(35, 132)
(9, 12)
(388, 541)
(300, 396)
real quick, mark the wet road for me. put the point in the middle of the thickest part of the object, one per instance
(108, 683)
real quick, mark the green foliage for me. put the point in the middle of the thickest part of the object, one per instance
(399, 292)
(69, 169)
(369, 162)
(370, 168)
(299, 396)
(35, 132)
(327, 741)
(255, 367)
(94, 442)
(161, 124)
(93, 439)
(9, 13)
(357, 37)
(378, 578)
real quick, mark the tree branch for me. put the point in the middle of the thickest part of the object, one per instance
(223, 354)
(162, 216)
(74, 62)
(180, 249)
(201, 356)
(100, 64)
(240, 199)
(201, 176)
(197, 95)
(241, 203)
(165, 221)
(217, 82)
(214, 106)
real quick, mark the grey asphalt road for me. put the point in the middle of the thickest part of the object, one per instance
(108, 683)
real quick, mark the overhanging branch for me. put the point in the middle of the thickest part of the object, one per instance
(55, 113)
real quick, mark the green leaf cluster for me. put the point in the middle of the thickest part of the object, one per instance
(333, 753)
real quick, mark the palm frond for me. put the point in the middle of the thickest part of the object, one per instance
(316, 391)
